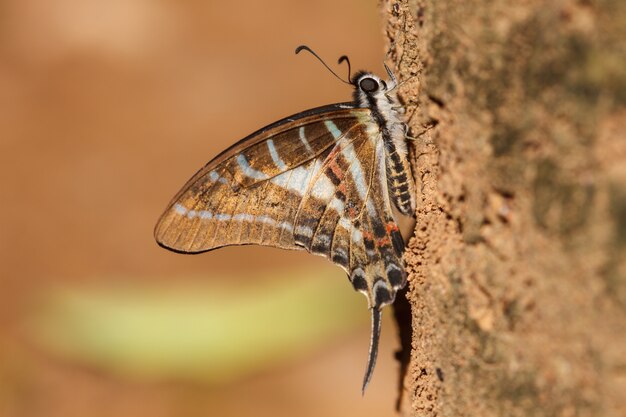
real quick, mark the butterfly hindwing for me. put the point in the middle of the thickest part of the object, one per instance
(346, 216)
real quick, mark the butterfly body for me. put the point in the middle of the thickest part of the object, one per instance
(322, 180)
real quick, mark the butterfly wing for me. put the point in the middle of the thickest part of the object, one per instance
(315, 181)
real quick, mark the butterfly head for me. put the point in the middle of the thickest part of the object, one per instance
(370, 89)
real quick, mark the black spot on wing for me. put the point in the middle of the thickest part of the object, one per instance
(340, 258)
(359, 282)
(320, 247)
(397, 242)
(395, 276)
(382, 294)
(304, 232)
(332, 177)
(379, 229)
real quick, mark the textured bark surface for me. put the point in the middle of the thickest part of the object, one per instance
(518, 262)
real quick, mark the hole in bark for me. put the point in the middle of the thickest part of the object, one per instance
(439, 102)
(420, 16)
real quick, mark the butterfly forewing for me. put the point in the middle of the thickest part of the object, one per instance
(249, 193)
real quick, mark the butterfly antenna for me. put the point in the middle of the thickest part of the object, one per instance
(345, 58)
(373, 353)
(306, 48)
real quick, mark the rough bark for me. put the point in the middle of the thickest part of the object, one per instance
(518, 262)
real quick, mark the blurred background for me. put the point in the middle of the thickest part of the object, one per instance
(106, 109)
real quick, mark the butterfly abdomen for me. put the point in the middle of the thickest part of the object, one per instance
(400, 181)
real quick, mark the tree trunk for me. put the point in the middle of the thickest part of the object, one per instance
(517, 285)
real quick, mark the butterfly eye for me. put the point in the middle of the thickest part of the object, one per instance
(384, 84)
(369, 85)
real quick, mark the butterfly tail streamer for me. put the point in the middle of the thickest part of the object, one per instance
(373, 352)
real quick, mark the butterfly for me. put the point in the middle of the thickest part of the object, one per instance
(323, 180)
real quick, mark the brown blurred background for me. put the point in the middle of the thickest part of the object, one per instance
(106, 109)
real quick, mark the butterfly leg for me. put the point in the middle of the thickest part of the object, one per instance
(406, 133)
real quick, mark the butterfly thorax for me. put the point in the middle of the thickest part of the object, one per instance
(380, 97)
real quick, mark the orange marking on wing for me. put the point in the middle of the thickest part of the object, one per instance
(391, 227)
(333, 153)
(336, 170)
(383, 242)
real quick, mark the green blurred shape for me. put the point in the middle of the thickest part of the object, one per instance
(215, 334)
